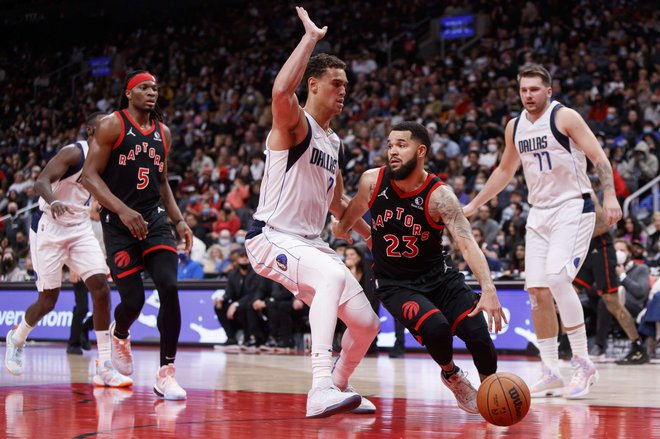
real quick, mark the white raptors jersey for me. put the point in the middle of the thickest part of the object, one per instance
(298, 183)
(70, 192)
(555, 168)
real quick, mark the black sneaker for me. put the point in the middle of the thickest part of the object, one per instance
(637, 355)
(597, 353)
(74, 350)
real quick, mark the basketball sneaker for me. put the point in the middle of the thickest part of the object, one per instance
(585, 375)
(637, 355)
(366, 407)
(550, 384)
(465, 393)
(327, 400)
(121, 355)
(14, 354)
(166, 385)
(107, 376)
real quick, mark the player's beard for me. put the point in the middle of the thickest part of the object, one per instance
(404, 170)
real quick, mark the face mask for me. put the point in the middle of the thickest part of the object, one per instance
(224, 241)
(240, 240)
(479, 187)
(510, 188)
(648, 130)
(7, 263)
(611, 117)
(621, 257)
(467, 139)
(243, 266)
(492, 147)
(500, 240)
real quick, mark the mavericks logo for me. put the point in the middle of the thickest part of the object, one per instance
(281, 261)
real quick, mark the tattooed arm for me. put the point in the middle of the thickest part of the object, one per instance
(572, 124)
(357, 206)
(445, 207)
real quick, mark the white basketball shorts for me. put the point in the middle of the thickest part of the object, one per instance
(54, 245)
(557, 238)
(297, 263)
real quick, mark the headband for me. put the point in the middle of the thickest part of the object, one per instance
(140, 77)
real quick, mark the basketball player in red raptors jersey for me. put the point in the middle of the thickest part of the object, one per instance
(409, 210)
(126, 171)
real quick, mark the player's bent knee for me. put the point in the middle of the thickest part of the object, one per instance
(435, 333)
(483, 352)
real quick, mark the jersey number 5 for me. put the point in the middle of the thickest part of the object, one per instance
(143, 176)
(393, 243)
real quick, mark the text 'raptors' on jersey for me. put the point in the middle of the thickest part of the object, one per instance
(137, 163)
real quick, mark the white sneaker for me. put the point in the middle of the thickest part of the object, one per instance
(366, 407)
(14, 354)
(166, 385)
(585, 375)
(107, 376)
(550, 384)
(121, 355)
(465, 393)
(327, 400)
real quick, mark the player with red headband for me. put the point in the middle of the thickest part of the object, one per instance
(126, 171)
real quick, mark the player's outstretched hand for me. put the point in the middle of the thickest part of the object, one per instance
(490, 304)
(310, 28)
(339, 232)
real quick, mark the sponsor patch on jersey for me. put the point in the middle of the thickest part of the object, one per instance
(281, 261)
(576, 262)
(418, 204)
(157, 137)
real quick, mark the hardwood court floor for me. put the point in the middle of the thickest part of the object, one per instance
(263, 396)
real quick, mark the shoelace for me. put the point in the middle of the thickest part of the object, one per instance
(578, 375)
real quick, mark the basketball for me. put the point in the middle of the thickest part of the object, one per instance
(503, 399)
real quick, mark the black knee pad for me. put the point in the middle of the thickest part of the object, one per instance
(481, 346)
(435, 334)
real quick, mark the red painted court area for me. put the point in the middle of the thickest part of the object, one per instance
(81, 411)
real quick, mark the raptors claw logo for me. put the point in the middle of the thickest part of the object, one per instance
(410, 309)
(122, 259)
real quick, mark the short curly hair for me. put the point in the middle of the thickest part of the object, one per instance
(318, 64)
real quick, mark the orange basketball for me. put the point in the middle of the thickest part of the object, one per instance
(503, 399)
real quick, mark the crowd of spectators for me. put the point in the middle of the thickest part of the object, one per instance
(216, 66)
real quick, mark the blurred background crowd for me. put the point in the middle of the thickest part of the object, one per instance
(215, 64)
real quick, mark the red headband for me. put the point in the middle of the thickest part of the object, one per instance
(140, 77)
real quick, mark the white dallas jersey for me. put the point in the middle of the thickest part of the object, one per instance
(555, 168)
(70, 192)
(298, 183)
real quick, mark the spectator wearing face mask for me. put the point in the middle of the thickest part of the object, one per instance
(188, 268)
(10, 269)
(489, 158)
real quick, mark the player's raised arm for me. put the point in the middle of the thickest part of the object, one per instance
(445, 207)
(68, 156)
(289, 124)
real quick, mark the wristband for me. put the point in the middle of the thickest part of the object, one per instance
(54, 202)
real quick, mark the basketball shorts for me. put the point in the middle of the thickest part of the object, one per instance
(125, 252)
(295, 261)
(53, 245)
(557, 238)
(412, 301)
(599, 267)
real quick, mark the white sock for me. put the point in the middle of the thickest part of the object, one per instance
(103, 344)
(321, 363)
(22, 332)
(550, 353)
(578, 339)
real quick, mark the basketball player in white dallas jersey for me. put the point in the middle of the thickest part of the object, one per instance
(552, 141)
(61, 233)
(302, 182)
